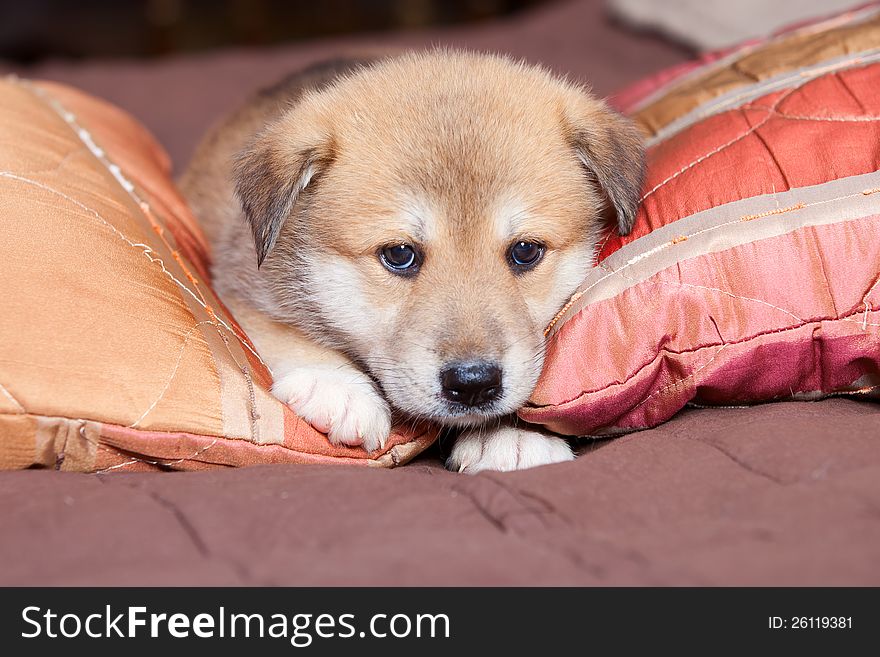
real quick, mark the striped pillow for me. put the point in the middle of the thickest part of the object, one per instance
(752, 273)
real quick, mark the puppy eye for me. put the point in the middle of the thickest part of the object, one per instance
(525, 255)
(400, 259)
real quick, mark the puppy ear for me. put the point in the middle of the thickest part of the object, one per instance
(271, 174)
(610, 147)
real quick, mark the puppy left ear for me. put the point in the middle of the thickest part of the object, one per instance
(273, 171)
(610, 148)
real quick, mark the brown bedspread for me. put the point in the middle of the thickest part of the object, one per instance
(777, 494)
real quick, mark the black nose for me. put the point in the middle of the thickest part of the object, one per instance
(471, 383)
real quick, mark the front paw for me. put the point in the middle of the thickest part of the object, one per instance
(506, 448)
(339, 401)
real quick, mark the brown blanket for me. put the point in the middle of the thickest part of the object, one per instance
(776, 494)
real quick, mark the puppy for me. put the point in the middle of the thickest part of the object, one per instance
(396, 234)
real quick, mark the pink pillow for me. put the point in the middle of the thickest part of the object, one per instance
(752, 272)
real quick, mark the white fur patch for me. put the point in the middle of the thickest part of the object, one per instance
(337, 287)
(508, 219)
(339, 401)
(522, 362)
(570, 270)
(419, 219)
(505, 449)
(306, 178)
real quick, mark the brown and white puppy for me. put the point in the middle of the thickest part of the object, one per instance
(397, 233)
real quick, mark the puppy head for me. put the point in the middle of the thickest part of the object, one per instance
(430, 214)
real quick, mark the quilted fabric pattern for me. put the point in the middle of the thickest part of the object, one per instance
(752, 273)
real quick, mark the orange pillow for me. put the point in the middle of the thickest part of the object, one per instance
(114, 352)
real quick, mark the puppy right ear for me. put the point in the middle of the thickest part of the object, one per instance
(271, 174)
(610, 148)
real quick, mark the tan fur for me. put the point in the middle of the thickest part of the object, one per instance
(460, 154)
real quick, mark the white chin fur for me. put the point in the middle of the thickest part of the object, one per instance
(472, 419)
